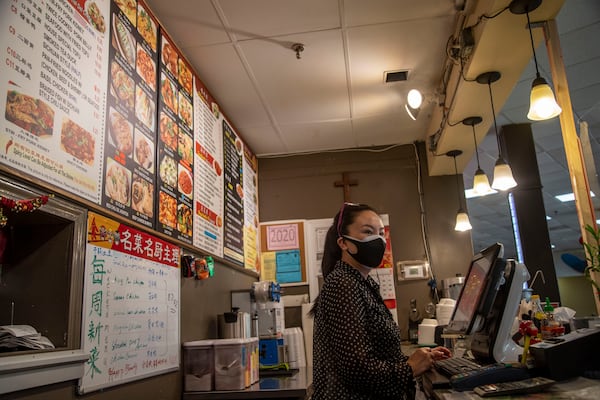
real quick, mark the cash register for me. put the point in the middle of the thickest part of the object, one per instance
(484, 316)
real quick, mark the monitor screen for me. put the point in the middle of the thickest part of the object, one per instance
(475, 284)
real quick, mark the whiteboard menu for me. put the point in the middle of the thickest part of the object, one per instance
(53, 91)
(130, 324)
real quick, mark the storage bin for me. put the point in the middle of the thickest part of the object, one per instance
(230, 364)
(198, 366)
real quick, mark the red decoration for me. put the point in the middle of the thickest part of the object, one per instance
(17, 206)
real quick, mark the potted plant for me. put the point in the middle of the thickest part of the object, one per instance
(592, 256)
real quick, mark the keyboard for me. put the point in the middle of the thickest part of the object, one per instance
(456, 365)
(465, 374)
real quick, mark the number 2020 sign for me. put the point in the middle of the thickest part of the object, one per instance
(282, 237)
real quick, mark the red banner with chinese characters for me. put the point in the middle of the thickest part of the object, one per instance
(110, 234)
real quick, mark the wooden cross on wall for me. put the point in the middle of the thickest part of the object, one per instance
(346, 182)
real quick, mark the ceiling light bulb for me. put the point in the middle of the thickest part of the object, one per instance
(414, 98)
(503, 177)
(481, 184)
(462, 222)
(543, 106)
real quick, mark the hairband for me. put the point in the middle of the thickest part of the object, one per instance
(341, 214)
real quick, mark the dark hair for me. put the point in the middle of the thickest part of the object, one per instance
(345, 217)
(331, 251)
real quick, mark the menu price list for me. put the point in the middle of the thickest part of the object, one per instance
(208, 156)
(53, 115)
(233, 243)
(175, 144)
(130, 142)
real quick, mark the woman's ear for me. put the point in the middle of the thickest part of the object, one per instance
(341, 243)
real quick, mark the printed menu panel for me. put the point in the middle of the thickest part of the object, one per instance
(208, 178)
(130, 323)
(250, 198)
(130, 143)
(53, 91)
(233, 230)
(175, 144)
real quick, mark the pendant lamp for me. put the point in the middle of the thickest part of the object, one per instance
(462, 218)
(481, 184)
(503, 178)
(542, 104)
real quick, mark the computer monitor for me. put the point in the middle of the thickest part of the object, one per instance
(477, 283)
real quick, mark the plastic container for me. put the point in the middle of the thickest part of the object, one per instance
(198, 366)
(230, 364)
(426, 332)
(444, 310)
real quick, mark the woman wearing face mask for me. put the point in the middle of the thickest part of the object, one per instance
(356, 342)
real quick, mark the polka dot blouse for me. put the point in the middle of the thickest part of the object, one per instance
(356, 343)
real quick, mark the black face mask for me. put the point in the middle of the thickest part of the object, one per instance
(369, 251)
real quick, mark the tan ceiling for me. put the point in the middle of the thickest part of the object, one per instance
(334, 96)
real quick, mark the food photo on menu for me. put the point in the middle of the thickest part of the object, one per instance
(77, 141)
(122, 86)
(185, 76)
(144, 151)
(144, 108)
(184, 219)
(169, 56)
(121, 132)
(128, 7)
(185, 183)
(123, 41)
(168, 92)
(29, 113)
(146, 27)
(95, 16)
(168, 171)
(167, 210)
(168, 131)
(145, 67)
(142, 196)
(186, 113)
(117, 182)
(185, 148)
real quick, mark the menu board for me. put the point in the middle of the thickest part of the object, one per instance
(208, 160)
(53, 91)
(99, 101)
(233, 246)
(251, 235)
(130, 324)
(129, 167)
(175, 144)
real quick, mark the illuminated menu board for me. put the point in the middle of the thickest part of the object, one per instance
(175, 144)
(53, 91)
(129, 167)
(208, 155)
(98, 101)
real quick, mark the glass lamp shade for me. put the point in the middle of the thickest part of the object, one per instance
(414, 98)
(542, 105)
(503, 177)
(462, 221)
(481, 184)
(412, 112)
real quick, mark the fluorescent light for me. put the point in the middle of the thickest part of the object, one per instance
(548, 218)
(470, 193)
(570, 197)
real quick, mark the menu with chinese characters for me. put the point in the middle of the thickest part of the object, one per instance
(233, 231)
(130, 324)
(208, 161)
(175, 144)
(129, 164)
(53, 91)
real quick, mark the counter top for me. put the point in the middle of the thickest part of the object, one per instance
(290, 387)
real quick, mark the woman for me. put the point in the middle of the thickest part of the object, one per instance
(357, 351)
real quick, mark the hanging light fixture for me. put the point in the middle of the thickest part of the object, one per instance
(414, 99)
(481, 184)
(542, 104)
(503, 178)
(462, 218)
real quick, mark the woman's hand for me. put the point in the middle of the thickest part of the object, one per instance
(422, 359)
